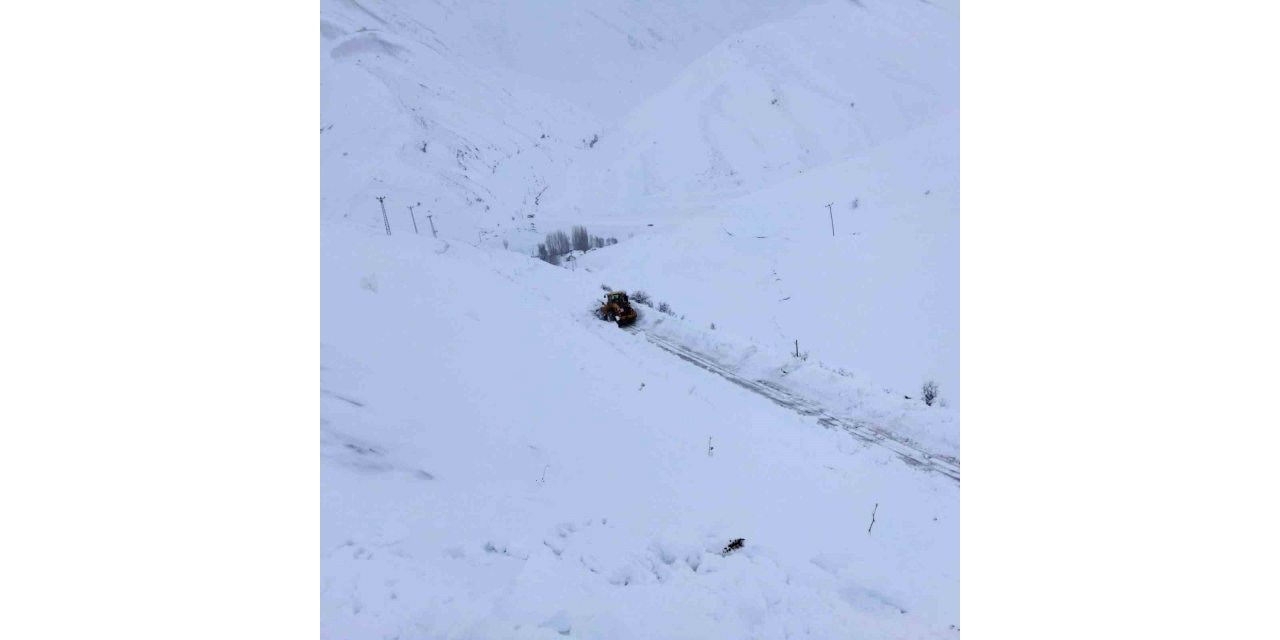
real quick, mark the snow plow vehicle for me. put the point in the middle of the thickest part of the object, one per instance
(617, 308)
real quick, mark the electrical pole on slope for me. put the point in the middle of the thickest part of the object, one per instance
(385, 221)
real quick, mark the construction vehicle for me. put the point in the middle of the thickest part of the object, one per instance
(617, 308)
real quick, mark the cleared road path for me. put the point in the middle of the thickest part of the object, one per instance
(907, 451)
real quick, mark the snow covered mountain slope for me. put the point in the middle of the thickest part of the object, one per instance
(828, 83)
(879, 298)
(496, 463)
(507, 120)
(477, 109)
(406, 117)
(603, 56)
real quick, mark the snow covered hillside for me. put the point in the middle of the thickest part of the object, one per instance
(478, 109)
(881, 297)
(497, 463)
(830, 82)
(654, 117)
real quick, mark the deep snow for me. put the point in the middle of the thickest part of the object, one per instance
(499, 463)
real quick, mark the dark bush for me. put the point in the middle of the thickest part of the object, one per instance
(929, 392)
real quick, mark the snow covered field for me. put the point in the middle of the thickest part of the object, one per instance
(498, 463)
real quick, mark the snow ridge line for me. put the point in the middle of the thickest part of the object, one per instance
(865, 431)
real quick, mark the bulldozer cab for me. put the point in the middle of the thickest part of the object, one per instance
(617, 297)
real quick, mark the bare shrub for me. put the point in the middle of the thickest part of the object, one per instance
(929, 392)
(665, 308)
(642, 298)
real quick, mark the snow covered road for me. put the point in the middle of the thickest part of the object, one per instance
(909, 452)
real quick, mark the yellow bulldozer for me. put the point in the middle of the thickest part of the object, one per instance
(617, 308)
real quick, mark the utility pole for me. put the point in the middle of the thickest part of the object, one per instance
(414, 218)
(385, 221)
(833, 219)
(433, 226)
(797, 348)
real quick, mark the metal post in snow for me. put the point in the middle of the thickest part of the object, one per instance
(414, 218)
(385, 221)
(833, 219)
(433, 226)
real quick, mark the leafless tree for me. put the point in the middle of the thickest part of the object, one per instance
(558, 243)
(581, 240)
(929, 392)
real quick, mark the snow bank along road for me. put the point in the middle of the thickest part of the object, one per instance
(908, 452)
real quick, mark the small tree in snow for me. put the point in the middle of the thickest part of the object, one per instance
(641, 298)
(929, 392)
(665, 308)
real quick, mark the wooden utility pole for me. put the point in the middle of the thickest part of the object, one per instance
(833, 219)
(385, 221)
(414, 218)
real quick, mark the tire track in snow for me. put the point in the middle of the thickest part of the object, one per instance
(865, 431)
